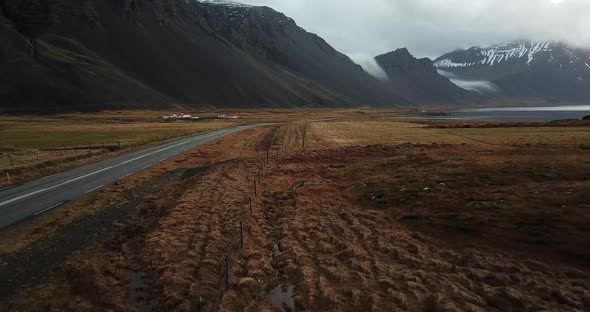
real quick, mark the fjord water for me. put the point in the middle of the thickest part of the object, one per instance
(514, 114)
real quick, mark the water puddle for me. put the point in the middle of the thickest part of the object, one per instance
(138, 292)
(282, 296)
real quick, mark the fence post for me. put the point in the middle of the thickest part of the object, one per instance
(226, 272)
(267, 154)
(242, 233)
(251, 206)
(255, 192)
(304, 135)
(8, 178)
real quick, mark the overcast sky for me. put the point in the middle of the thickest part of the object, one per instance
(363, 28)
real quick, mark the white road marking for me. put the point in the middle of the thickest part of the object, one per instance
(146, 167)
(47, 209)
(21, 197)
(4, 203)
(94, 189)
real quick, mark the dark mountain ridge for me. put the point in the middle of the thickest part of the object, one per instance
(274, 37)
(419, 80)
(89, 55)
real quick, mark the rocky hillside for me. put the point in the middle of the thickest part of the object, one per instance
(548, 71)
(88, 54)
(275, 38)
(418, 79)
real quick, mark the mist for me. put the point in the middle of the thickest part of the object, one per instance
(370, 65)
(479, 86)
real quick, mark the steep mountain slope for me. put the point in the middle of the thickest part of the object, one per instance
(550, 71)
(90, 54)
(418, 79)
(274, 37)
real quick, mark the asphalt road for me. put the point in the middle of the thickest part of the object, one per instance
(37, 197)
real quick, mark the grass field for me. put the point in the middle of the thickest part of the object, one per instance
(352, 213)
(33, 146)
(389, 132)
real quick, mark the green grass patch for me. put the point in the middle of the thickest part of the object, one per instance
(57, 54)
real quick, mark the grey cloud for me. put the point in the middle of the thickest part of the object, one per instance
(432, 27)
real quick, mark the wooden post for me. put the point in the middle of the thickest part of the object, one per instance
(8, 179)
(255, 187)
(267, 154)
(242, 233)
(251, 206)
(304, 135)
(226, 272)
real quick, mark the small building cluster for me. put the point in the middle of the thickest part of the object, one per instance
(179, 116)
(227, 116)
(183, 116)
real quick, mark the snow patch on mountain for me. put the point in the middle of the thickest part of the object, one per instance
(446, 63)
(227, 3)
(500, 53)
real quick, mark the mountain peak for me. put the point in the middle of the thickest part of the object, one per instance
(405, 61)
(418, 79)
(401, 52)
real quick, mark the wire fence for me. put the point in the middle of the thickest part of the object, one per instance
(223, 283)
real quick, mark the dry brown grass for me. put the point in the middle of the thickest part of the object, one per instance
(391, 226)
(34, 148)
(98, 277)
(332, 134)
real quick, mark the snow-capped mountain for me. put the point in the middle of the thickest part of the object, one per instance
(552, 71)
(497, 54)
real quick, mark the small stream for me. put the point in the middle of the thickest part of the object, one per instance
(138, 292)
(282, 296)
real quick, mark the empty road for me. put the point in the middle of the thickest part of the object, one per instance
(36, 197)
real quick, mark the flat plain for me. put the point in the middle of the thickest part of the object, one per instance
(330, 210)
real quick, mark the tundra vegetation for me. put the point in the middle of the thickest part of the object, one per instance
(344, 210)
